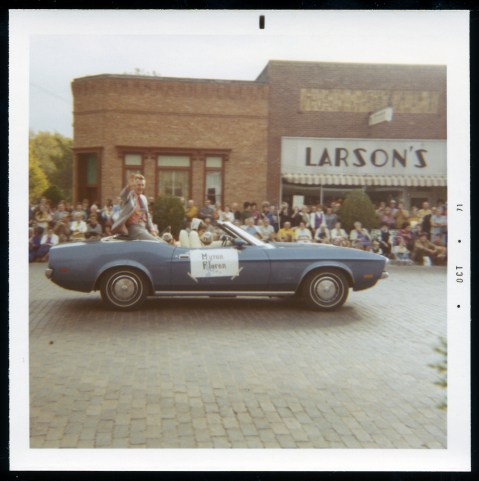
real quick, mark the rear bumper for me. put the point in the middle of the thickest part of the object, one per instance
(384, 275)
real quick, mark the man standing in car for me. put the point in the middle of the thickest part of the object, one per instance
(134, 215)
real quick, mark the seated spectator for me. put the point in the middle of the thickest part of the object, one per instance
(286, 233)
(384, 240)
(302, 233)
(255, 213)
(401, 252)
(227, 215)
(322, 235)
(78, 227)
(62, 229)
(266, 230)
(48, 240)
(339, 236)
(360, 238)
(376, 247)
(93, 230)
(79, 210)
(34, 243)
(424, 248)
(249, 226)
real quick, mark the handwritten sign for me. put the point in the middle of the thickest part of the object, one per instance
(214, 263)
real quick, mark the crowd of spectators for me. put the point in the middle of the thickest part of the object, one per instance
(406, 237)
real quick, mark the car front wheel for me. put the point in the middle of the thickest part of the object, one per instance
(325, 290)
(124, 289)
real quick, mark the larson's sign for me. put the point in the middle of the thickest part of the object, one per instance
(358, 156)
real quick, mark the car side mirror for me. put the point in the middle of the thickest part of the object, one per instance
(239, 243)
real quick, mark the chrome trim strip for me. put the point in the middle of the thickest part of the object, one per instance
(225, 293)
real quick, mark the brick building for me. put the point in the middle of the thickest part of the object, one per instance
(302, 132)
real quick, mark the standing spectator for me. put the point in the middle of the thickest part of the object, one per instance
(42, 216)
(393, 207)
(296, 217)
(284, 215)
(405, 234)
(255, 213)
(439, 225)
(316, 218)
(402, 215)
(302, 233)
(380, 209)
(78, 227)
(79, 210)
(48, 240)
(414, 218)
(273, 217)
(191, 211)
(387, 218)
(246, 213)
(425, 210)
(360, 237)
(236, 211)
(206, 211)
(330, 218)
(286, 233)
(106, 214)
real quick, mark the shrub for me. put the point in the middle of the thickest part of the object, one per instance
(357, 206)
(53, 194)
(168, 212)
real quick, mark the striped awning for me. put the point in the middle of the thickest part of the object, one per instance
(362, 180)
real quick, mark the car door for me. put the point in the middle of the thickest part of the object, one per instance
(246, 268)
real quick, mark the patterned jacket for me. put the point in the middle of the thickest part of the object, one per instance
(128, 207)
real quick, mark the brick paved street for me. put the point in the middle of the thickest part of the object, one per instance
(249, 373)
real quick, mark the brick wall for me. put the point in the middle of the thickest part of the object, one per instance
(156, 113)
(341, 97)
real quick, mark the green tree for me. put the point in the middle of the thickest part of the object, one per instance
(55, 157)
(168, 211)
(357, 206)
(37, 179)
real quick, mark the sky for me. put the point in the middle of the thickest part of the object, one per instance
(50, 48)
(64, 45)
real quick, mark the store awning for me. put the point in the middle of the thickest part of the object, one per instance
(365, 180)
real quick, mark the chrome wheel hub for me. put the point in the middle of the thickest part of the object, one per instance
(326, 289)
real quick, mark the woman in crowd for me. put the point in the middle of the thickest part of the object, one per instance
(360, 237)
(339, 236)
(322, 235)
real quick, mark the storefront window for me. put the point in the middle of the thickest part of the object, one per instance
(214, 179)
(174, 175)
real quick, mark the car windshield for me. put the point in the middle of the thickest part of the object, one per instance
(236, 231)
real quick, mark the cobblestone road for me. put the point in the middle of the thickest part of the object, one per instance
(249, 373)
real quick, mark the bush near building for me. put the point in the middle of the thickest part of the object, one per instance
(357, 206)
(168, 212)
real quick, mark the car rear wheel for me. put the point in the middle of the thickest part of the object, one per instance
(124, 289)
(325, 290)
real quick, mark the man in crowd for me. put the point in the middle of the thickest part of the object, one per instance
(134, 215)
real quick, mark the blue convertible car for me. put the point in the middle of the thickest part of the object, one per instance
(126, 272)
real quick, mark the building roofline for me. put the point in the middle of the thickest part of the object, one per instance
(168, 79)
